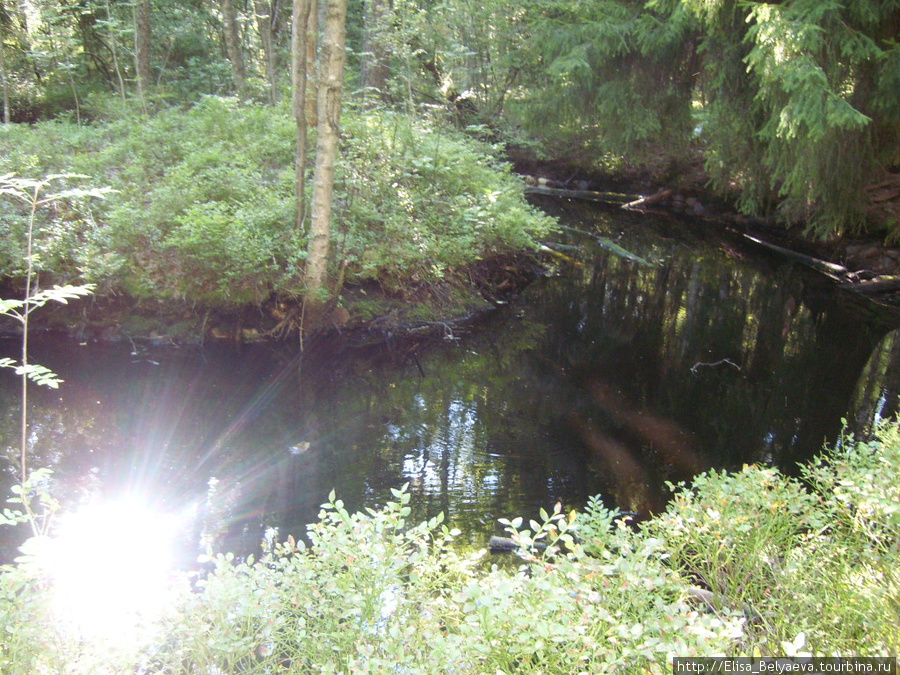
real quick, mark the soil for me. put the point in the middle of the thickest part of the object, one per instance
(367, 313)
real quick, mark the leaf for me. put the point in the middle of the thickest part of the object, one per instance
(9, 306)
(41, 375)
(59, 294)
(78, 192)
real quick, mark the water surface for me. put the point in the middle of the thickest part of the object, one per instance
(653, 349)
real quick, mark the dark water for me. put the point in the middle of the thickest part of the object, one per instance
(674, 350)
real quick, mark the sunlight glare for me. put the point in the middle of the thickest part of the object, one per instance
(111, 566)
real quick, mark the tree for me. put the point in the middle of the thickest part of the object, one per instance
(32, 193)
(233, 47)
(267, 24)
(376, 53)
(330, 87)
(301, 37)
(4, 80)
(774, 95)
(142, 43)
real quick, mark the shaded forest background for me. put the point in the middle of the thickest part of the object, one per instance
(194, 112)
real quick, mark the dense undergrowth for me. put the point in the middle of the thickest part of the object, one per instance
(204, 207)
(750, 563)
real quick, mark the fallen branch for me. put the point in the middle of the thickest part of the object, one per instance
(637, 204)
(875, 286)
(836, 272)
(583, 195)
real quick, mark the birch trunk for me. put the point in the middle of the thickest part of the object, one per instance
(331, 80)
(300, 37)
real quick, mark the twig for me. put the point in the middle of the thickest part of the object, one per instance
(715, 363)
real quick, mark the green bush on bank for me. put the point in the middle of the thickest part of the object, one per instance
(205, 208)
(750, 563)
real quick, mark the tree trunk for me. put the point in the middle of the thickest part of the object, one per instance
(265, 21)
(233, 47)
(111, 26)
(142, 42)
(300, 37)
(312, 76)
(4, 83)
(331, 80)
(376, 55)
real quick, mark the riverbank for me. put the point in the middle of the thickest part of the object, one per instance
(863, 263)
(364, 313)
(197, 235)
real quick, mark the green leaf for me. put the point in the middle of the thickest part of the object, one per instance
(40, 375)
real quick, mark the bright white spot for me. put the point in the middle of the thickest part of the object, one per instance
(111, 567)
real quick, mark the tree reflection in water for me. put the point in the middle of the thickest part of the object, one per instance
(609, 376)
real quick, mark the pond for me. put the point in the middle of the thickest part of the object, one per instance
(652, 350)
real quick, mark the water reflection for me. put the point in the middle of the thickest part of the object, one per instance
(715, 356)
(611, 376)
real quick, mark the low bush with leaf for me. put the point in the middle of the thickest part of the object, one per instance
(372, 594)
(420, 199)
(205, 209)
(816, 559)
(784, 568)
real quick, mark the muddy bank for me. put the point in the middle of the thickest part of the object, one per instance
(365, 313)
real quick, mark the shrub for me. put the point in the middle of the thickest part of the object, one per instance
(420, 199)
(205, 205)
(792, 567)
(372, 595)
(818, 563)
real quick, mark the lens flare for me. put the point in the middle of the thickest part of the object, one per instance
(111, 566)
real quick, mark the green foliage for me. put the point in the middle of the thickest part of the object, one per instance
(774, 95)
(26, 624)
(784, 570)
(610, 76)
(40, 226)
(418, 200)
(38, 505)
(204, 215)
(59, 56)
(374, 595)
(812, 67)
(731, 533)
(768, 548)
(32, 193)
(201, 213)
(20, 309)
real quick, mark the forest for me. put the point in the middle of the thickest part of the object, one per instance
(172, 172)
(262, 152)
